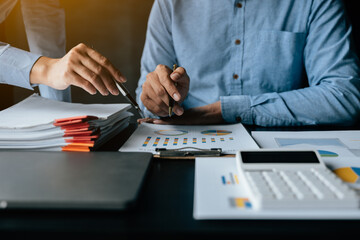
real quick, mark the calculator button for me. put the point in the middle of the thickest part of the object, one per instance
(290, 180)
(272, 183)
(333, 187)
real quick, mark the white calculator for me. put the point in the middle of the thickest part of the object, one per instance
(284, 179)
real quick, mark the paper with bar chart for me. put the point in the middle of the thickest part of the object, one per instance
(230, 138)
(219, 194)
(340, 150)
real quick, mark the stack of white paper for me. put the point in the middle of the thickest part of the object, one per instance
(38, 123)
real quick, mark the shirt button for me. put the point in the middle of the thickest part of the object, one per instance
(235, 76)
(237, 41)
(238, 119)
(239, 5)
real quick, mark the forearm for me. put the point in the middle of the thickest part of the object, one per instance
(322, 104)
(39, 72)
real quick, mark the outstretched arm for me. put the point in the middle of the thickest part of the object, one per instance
(81, 66)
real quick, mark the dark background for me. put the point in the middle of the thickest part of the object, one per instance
(354, 16)
(116, 28)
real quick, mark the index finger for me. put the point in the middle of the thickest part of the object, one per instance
(103, 61)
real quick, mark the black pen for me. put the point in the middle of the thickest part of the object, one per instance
(171, 100)
(126, 94)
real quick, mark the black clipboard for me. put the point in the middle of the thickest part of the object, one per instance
(188, 153)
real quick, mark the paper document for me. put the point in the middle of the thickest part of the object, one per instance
(35, 111)
(230, 138)
(340, 150)
(38, 123)
(219, 194)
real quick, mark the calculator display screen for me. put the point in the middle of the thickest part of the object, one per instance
(279, 157)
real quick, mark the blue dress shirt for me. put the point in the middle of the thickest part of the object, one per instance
(270, 63)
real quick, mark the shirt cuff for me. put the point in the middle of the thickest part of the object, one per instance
(236, 109)
(17, 65)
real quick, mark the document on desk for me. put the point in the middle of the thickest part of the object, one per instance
(218, 194)
(340, 150)
(230, 138)
(38, 123)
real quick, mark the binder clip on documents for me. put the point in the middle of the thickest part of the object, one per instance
(188, 152)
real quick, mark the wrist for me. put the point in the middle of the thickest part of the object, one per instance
(214, 112)
(39, 71)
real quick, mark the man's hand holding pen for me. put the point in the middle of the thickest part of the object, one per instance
(160, 86)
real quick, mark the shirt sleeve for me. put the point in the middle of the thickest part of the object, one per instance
(15, 66)
(332, 68)
(158, 47)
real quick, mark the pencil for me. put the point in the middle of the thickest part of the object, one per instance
(171, 100)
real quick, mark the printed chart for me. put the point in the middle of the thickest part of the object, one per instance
(216, 132)
(240, 203)
(348, 174)
(324, 153)
(318, 143)
(285, 142)
(149, 137)
(230, 179)
(166, 141)
(171, 132)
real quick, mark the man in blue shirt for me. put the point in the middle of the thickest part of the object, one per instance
(269, 63)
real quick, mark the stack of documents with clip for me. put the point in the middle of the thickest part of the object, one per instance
(38, 123)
